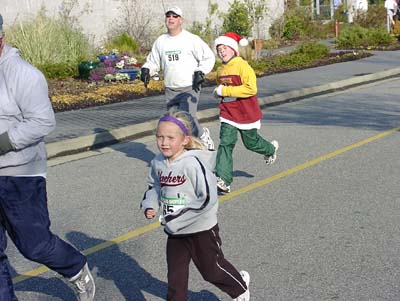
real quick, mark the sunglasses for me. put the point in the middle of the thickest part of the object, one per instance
(172, 15)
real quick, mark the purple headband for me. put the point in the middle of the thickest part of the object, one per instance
(177, 122)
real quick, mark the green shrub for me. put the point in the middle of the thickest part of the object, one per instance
(313, 50)
(396, 30)
(292, 60)
(136, 18)
(237, 19)
(359, 37)
(206, 31)
(261, 65)
(301, 56)
(380, 37)
(293, 29)
(271, 44)
(61, 70)
(296, 24)
(46, 41)
(123, 43)
(340, 13)
(375, 17)
(276, 28)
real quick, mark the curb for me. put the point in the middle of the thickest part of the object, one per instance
(90, 142)
(328, 88)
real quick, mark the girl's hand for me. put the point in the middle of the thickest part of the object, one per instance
(150, 213)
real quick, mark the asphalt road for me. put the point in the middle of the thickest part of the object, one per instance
(322, 223)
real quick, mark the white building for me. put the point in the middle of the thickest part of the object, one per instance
(96, 17)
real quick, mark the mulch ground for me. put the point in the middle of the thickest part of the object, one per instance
(73, 86)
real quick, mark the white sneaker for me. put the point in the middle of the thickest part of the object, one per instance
(221, 185)
(272, 158)
(206, 139)
(84, 284)
(246, 295)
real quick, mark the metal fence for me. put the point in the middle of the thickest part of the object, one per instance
(325, 12)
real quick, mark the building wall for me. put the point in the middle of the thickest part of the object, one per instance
(96, 17)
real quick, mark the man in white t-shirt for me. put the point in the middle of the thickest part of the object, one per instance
(391, 7)
(184, 59)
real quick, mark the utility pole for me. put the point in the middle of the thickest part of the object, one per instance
(317, 8)
(388, 23)
(312, 9)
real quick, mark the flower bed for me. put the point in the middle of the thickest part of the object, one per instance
(111, 68)
(72, 94)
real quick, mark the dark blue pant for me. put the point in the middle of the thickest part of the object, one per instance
(24, 215)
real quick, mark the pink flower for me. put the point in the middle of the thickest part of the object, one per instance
(108, 62)
(110, 70)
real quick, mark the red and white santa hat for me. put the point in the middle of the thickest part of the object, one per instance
(231, 39)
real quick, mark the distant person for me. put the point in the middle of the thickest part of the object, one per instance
(362, 5)
(182, 186)
(391, 8)
(337, 3)
(240, 111)
(26, 117)
(185, 59)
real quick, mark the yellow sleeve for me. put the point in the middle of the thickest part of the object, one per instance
(248, 78)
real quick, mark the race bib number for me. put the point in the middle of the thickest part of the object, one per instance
(173, 56)
(172, 204)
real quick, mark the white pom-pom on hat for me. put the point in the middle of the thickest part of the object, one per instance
(233, 40)
(244, 42)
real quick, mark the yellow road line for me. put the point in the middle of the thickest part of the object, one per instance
(305, 165)
(152, 226)
(94, 249)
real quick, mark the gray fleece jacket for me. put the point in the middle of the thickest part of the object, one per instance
(185, 191)
(26, 116)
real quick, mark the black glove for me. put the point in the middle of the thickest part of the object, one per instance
(145, 76)
(198, 79)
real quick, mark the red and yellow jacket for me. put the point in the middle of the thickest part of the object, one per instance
(239, 81)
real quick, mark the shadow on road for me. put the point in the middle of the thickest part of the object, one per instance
(55, 287)
(243, 174)
(138, 151)
(124, 271)
(132, 149)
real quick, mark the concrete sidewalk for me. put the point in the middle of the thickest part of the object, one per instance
(104, 125)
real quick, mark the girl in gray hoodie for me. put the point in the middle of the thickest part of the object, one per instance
(182, 186)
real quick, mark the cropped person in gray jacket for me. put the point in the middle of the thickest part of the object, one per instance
(182, 186)
(26, 117)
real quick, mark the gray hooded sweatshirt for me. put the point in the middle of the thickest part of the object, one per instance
(185, 191)
(26, 116)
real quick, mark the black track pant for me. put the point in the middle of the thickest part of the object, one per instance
(204, 249)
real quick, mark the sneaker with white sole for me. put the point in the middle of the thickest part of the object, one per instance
(84, 284)
(222, 187)
(272, 158)
(206, 139)
(246, 295)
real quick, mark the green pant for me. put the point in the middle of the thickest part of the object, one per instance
(228, 138)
